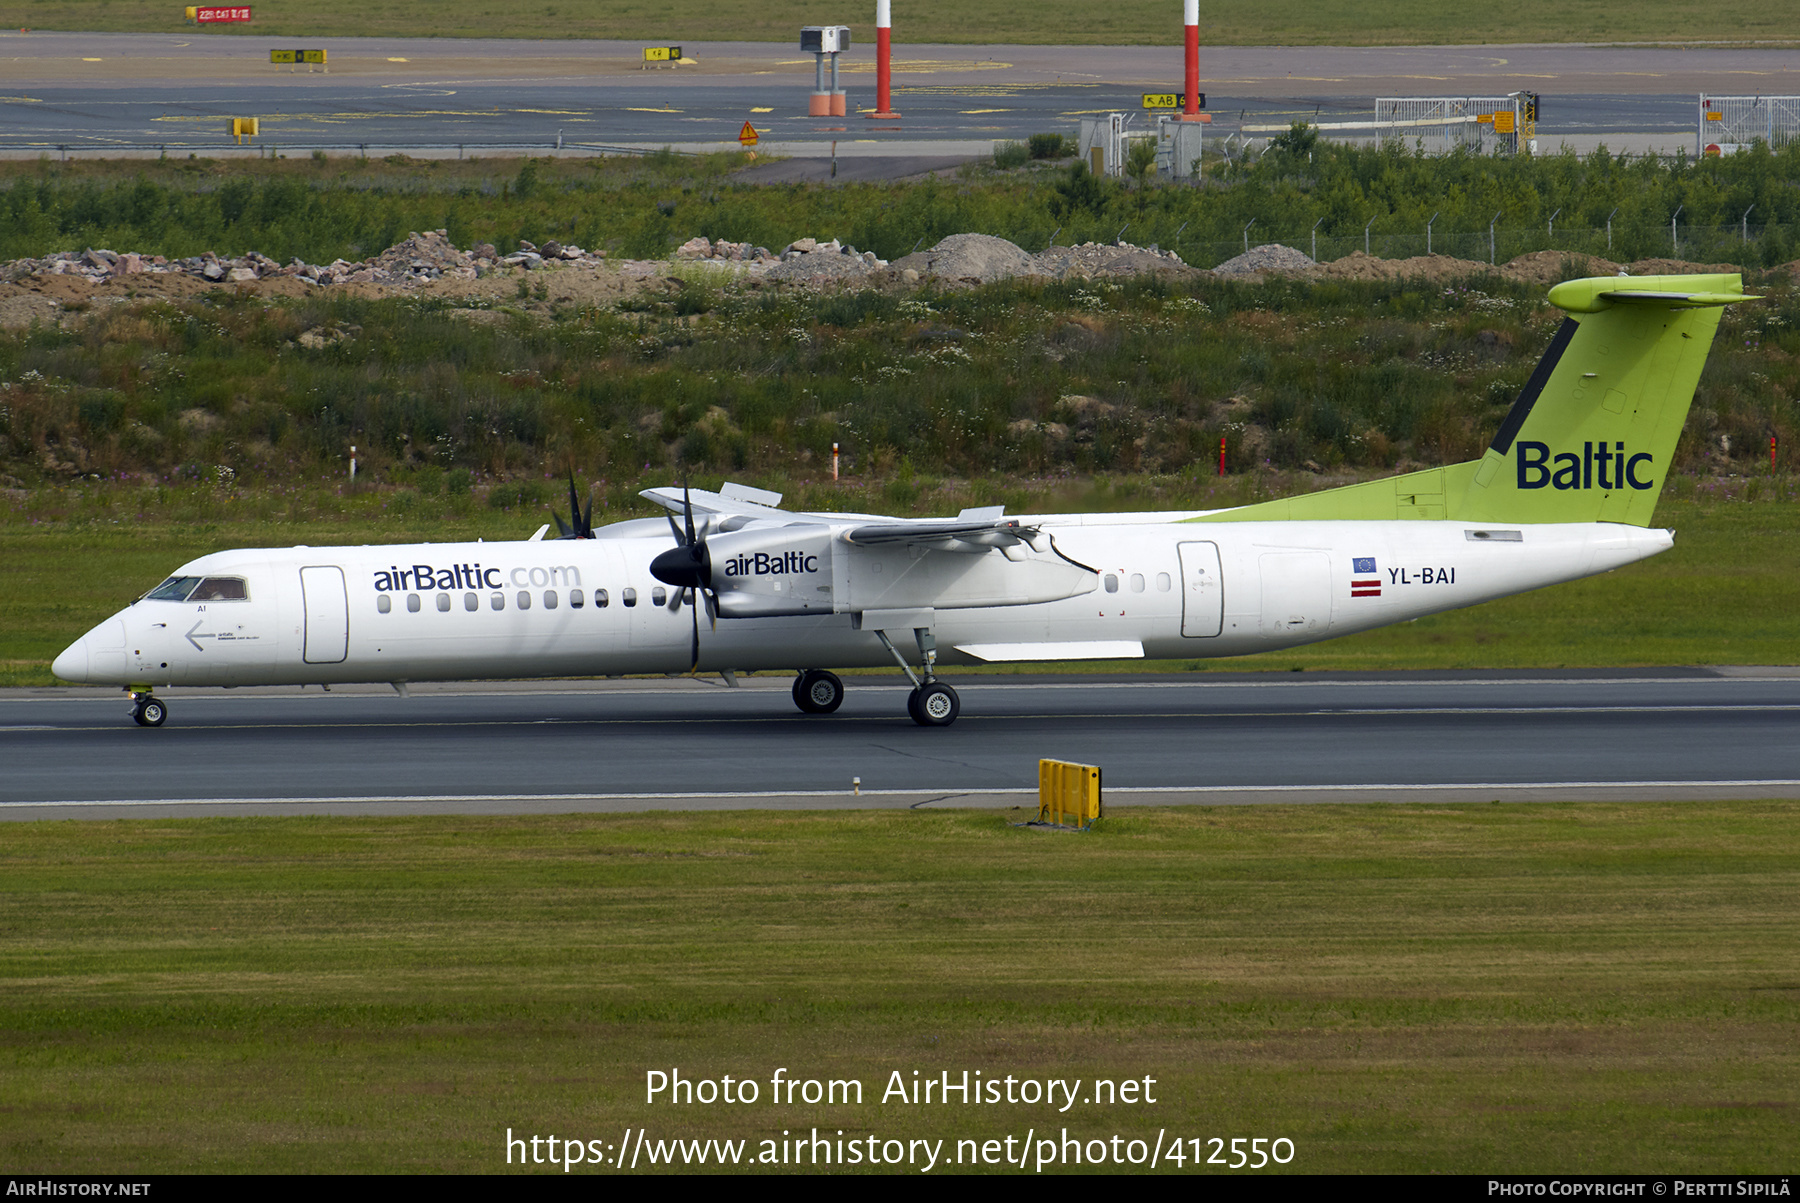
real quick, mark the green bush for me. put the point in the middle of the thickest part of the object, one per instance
(1050, 146)
(1008, 155)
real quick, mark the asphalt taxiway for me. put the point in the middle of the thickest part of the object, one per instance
(1207, 738)
(126, 93)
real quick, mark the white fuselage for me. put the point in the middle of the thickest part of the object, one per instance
(463, 611)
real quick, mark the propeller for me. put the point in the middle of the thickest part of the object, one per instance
(583, 527)
(688, 567)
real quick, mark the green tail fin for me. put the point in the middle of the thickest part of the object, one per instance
(1590, 437)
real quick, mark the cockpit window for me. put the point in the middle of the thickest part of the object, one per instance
(176, 588)
(221, 588)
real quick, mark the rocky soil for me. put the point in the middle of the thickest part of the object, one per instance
(53, 288)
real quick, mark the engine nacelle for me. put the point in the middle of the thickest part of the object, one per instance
(764, 572)
(790, 570)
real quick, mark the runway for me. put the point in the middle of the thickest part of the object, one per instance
(140, 93)
(1200, 738)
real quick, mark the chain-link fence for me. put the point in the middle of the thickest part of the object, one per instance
(1730, 123)
(1743, 245)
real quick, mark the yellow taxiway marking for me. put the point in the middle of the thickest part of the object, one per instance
(760, 110)
(635, 109)
(93, 60)
(399, 60)
(978, 112)
(20, 100)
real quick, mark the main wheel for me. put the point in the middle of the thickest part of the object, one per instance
(150, 713)
(934, 704)
(818, 692)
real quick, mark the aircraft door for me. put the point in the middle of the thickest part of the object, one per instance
(1202, 590)
(327, 615)
(1296, 593)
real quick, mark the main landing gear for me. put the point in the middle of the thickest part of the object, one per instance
(818, 692)
(931, 703)
(147, 711)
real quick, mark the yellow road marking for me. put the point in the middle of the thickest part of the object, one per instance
(399, 60)
(761, 110)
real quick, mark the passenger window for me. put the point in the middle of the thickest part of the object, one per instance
(383, 602)
(412, 603)
(221, 588)
(471, 603)
(577, 599)
(1137, 582)
(498, 601)
(628, 596)
(1112, 583)
(443, 603)
(176, 588)
(549, 599)
(524, 600)
(659, 596)
(1163, 583)
(600, 599)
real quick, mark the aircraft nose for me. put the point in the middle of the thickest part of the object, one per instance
(72, 665)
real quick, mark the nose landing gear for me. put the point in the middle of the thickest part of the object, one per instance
(147, 711)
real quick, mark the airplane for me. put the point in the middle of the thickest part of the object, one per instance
(1566, 490)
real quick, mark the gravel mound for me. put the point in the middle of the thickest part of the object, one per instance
(1098, 259)
(975, 258)
(1270, 257)
(1358, 266)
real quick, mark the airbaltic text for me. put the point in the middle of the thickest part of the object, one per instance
(471, 576)
(784, 563)
(1610, 469)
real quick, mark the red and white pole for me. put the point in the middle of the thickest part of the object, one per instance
(883, 34)
(1190, 17)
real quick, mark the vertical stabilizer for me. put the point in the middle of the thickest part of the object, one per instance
(1592, 434)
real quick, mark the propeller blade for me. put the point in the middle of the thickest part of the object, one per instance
(694, 666)
(712, 607)
(687, 511)
(574, 506)
(562, 528)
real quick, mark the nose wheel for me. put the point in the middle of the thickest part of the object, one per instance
(147, 711)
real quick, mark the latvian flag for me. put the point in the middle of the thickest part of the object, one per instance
(1364, 582)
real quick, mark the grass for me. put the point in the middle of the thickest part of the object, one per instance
(1058, 22)
(1530, 989)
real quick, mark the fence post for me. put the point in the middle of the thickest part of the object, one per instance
(1674, 242)
(1315, 240)
(1496, 217)
(1434, 217)
(1366, 236)
(1744, 230)
(1247, 226)
(1609, 218)
(1550, 229)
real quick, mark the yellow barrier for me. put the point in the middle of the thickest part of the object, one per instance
(1068, 791)
(244, 127)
